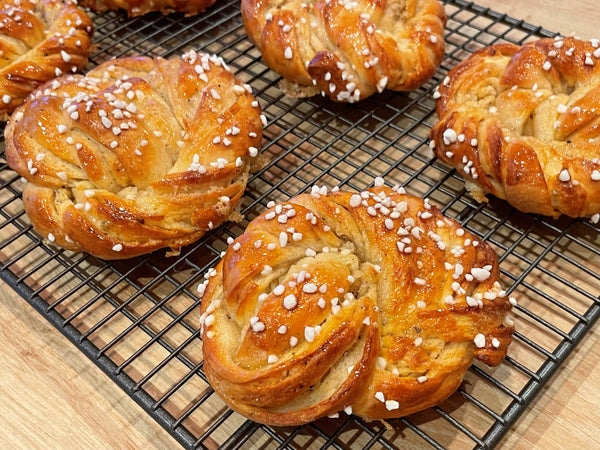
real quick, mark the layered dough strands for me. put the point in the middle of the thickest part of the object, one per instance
(136, 8)
(371, 303)
(138, 155)
(523, 123)
(39, 40)
(346, 49)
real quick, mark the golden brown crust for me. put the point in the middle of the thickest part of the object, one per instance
(39, 40)
(136, 8)
(348, 50)
(373, 303)
(523, 123)
(139, 154)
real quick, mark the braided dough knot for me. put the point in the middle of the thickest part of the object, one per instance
(39, 40)
(136, 8)
(523, 123)
(138, 155)
(373, 303)
(345, 49)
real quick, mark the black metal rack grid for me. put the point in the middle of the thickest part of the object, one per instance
(138, 319)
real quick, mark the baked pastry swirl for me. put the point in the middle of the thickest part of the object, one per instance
(523, 123)
(39, 40)
(136, 8)
(138, 155)
(373, 303)
(348, 50)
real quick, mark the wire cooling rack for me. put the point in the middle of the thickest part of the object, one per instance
(138, 319)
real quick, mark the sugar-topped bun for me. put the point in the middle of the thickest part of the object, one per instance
(523, 123)
(39, 40)
(373, 303)
(136, 8)
(138, 155)
(348, 50)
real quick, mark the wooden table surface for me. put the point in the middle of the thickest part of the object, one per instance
(54, 397)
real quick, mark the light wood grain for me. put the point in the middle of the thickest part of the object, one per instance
(567, 413)
(54, 397)
(579, 17)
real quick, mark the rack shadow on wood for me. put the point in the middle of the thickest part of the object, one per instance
(138, 319)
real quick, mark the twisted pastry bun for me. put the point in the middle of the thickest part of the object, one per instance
(372, 303)
(523, 123)
(39, 40)
(136, 8)
(348, 50)
(138, 155)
